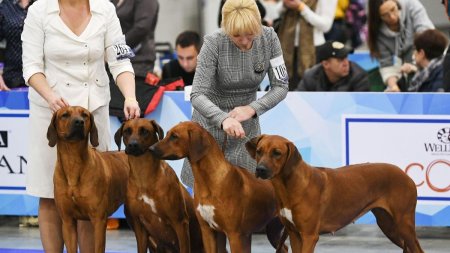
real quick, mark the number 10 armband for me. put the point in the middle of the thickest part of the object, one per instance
(279, 68)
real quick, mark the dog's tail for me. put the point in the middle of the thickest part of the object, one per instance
(282, 248)
(277, 235)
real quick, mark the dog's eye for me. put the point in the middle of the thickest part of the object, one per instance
(65, 115)
(276, 153)
(259, 152)
(143, 131)
(127, 131)
(84, 115)
(173, 137)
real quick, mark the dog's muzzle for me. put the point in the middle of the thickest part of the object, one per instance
(262, 172)
(76, 130)
(133, 148)
(155, 151)
(159, 153)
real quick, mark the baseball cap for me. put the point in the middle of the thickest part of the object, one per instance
(332, 49)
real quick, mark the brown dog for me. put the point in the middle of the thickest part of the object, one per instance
(157, 205)
(229, 199)
(321, 200)
(89, 185)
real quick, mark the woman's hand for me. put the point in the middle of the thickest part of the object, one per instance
(2, 84)
(242, 113)
(408, 68)
(233, 128)
(393, 88)
(294, 4)
(392, 85)
(131, 108)
(56, 102)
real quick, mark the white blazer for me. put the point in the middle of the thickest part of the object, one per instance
(73, 65)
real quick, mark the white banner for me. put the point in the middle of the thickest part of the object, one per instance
(418, 144)
(13, 151)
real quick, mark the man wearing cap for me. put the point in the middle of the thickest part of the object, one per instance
(334, 72)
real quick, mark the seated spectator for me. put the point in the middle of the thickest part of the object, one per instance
(187, 47)
(429, 55)
(334, 72)
(12, 14)
(392, 25)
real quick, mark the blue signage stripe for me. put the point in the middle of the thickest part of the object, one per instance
(12, 188)
(434, 198)
(16, 115)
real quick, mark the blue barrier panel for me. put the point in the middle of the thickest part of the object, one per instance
(329, 129)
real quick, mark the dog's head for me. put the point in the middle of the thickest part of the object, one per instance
(274, 155)
(72, 124)
(186, 139)
(138, 135)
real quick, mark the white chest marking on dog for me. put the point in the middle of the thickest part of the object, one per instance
(207, 213)
(286, 213)
(149, 202)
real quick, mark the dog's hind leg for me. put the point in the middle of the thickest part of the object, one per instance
(387, 225)
(274, 232)
(406, 228)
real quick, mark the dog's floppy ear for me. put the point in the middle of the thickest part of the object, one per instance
(52, 134)
(93, 133)
(252, 144)
(199, 145)
(158, 129)
(118, 136)
(292, 157)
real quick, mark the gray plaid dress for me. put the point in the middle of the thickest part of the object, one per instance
(227, 77)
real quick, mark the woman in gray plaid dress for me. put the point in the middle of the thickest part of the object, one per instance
(232, 63)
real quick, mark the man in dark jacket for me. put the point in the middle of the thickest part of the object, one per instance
(334, 72)
(187, 46)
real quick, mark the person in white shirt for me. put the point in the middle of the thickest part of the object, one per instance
(65, 44)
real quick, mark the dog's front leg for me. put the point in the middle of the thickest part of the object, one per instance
(240, 242)
(182, 231)
(69, 229)
(99, 234)
(295, 240)
(309, 242)
(208, 237)
(141, 235)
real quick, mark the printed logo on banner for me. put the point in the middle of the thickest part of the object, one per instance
(417, 144)
(443, 135)
(13, 152)
(3, 139)
(443, 144)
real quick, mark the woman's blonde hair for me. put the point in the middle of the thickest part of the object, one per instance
(241, 17)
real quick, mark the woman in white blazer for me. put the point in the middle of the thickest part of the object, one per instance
(65, 45)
